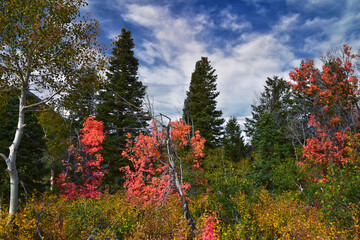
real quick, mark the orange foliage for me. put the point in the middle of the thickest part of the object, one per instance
(152, 155)
(87, 163)
(335, 95)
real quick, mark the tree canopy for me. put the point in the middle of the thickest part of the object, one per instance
(200, 104)
(44, 48)
(268, 129)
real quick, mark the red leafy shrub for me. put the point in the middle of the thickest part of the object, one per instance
(157, 165)
(83, 172)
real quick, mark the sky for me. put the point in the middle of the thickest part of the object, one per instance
(246, 41)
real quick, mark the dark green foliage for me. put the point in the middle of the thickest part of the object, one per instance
(275, 100)
(120, 105)
(81, 100)
(269, 130)
(271, 147)
(233, 142)
(200, 104)
(30, 162)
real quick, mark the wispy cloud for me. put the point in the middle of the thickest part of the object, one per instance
(315, 5)
(244, 72)
(287, 23)
(233, 22)
(334, 31)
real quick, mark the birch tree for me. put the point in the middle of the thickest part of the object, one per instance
(44, 45)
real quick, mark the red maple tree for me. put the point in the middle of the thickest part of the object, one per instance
(83, 173)
(158, 160)
(334, 93)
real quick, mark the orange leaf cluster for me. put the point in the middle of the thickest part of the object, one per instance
(86, 162)
(152, 177)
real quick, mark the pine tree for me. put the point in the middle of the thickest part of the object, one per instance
(120, 105)
(268, 130)
(200, 104)
(276, 100)
(233, 142)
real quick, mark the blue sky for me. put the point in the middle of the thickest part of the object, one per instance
(245, 40)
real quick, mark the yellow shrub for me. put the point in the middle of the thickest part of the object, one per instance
(114, 217)
(164, 222)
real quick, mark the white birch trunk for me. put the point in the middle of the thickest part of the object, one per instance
(52, 175)
(11, 161)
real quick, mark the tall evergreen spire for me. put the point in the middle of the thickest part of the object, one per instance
(120, 104)
(200, 103)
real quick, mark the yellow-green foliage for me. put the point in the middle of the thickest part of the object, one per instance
(111, 217)
(165, 222)
(114, 217)
(287, 218)
(284, 217)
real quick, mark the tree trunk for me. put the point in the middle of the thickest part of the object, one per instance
(184, 203)
(14, 191)
(52, 176)
(11, 161)
(185, 206)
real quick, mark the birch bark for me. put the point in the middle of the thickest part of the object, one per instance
(11, 160)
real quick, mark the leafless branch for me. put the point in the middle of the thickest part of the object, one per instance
(26, 195)
(44, 101)
(4, 157)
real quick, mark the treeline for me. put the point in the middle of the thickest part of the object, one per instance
(90, 159)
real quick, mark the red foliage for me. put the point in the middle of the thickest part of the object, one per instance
(83, 174)
(334, 92)
(154, 173)
(208, 232)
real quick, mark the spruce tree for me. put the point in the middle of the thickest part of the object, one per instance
(200, 104)
(120, 105)
(233, 142)
(269, 132)
(276, 100)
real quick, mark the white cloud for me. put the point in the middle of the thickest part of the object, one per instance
(335, 31)
(245, 71)
(287, 23)
(314, 5)
(233, 22)
(147, 16)
(171, 35)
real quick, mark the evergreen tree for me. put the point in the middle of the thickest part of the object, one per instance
(268, 130)
(200, 104)
(276, 100)
(80, 102)
(233, 142)
(120, 105)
